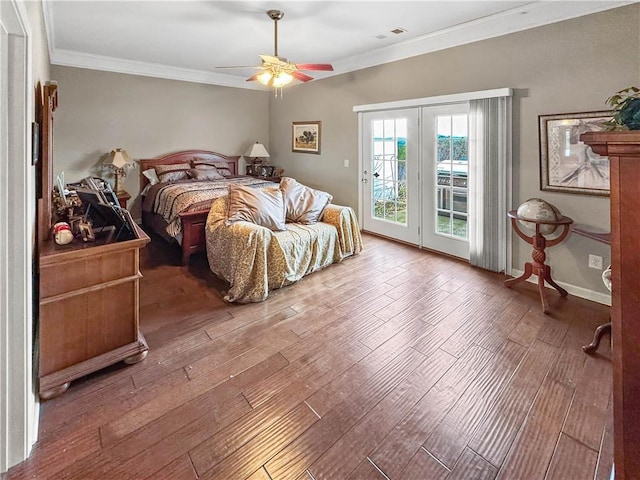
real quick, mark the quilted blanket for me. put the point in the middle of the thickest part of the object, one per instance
(255, 260)
(170, 199)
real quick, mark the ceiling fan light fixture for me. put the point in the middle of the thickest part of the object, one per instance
(278, 72)
(265, 77)
(281, 79)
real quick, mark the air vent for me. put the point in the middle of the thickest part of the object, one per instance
(398, 30)
(381, 37)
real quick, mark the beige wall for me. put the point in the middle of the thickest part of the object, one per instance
(148, 117)
(572, 66)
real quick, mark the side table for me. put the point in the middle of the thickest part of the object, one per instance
(123, 198)
(270, 179)
(539, 242)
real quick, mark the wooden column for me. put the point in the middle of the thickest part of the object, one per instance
(623, 150)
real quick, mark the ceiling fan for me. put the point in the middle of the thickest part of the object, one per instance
(277, 71)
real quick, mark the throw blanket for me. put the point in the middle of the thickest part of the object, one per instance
(171, 199)
(255, 260)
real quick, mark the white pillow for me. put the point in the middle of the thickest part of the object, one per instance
(151, 174)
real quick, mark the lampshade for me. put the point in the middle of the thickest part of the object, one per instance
(274, 78)
(119, 158)
(265, 77)
(282, 79)
(257, 150)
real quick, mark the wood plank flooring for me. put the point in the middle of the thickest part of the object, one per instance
(395, 364)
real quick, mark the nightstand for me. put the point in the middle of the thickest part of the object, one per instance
(270, 179)
(123, 198)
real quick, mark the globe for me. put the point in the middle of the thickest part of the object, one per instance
(538, 209)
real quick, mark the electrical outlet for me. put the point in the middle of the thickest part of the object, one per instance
(346, 163)
(595, 261)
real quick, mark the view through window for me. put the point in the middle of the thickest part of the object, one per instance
(452, 147)
(389, 186)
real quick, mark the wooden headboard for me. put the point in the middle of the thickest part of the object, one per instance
(186, 156)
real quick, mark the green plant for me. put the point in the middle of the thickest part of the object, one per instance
(626, 109)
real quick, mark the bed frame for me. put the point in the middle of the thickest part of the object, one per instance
(193, 223)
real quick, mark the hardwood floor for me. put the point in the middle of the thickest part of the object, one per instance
(397, 364)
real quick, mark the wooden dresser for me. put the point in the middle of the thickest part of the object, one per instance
(88, 292)
(623, 150)
(88, 309)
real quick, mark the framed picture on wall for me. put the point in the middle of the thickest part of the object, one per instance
(306, 137)
(567, 164)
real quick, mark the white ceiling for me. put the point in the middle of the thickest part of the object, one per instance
(184, 40)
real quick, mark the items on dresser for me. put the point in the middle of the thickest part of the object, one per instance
(102, 209)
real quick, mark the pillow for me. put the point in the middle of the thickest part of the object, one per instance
(303, 204)
(220, 165)
(264, 207)
(208, 174)
(151, 175)
(171, 173)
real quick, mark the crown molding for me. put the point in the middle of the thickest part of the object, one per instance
(525, 17)
(70, 58)
(532, 15)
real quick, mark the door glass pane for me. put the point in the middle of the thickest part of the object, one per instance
(451, 175)
(459, 201)
(388, 168)
(443, 225)
(459, 137)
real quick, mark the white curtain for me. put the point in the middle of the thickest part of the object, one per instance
(489, 181)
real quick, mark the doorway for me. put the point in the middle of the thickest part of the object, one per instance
(18, 407)
(414, 176)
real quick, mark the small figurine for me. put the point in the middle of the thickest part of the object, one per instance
(62, 233)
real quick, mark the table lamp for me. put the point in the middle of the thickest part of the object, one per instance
(256, 153)
(119, 160)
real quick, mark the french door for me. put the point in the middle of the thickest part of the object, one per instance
(414, 176)
(445, 160)
(390, 187)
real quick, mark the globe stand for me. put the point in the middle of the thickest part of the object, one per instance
(539, 242)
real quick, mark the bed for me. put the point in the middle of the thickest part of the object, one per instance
(182, 214)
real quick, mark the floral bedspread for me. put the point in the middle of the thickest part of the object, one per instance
(255, 260)
(171, 199)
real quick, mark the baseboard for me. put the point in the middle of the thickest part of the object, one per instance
(574, 290)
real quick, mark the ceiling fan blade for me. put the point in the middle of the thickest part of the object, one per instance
(253, 78)
(303, 77)
(315, 66)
